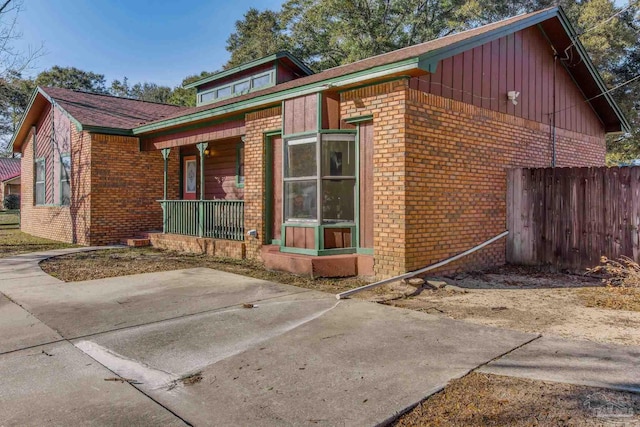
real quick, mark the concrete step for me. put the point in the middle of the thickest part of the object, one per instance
(136, 242)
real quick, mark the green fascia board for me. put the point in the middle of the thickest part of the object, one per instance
(248, 65)
(272, 98)
(24, 116)
(107, 130)
(566, 24)
(429, 61)
(38, 91)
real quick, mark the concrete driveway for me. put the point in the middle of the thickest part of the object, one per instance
(117, 351)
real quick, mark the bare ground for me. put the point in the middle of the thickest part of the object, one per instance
(532, 300)
(505, 401)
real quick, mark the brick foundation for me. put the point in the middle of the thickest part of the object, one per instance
(198, 245)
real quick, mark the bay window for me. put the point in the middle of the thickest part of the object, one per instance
(320, 171)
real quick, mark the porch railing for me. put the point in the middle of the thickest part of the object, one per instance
(218, 219)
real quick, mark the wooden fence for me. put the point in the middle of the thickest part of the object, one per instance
(569, 217)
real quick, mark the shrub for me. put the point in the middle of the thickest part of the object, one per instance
(623, 272)
(11, 201)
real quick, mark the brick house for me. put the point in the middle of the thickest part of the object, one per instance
(377, 167)
(9, 178)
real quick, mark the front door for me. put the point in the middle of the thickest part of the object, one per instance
(189, 177)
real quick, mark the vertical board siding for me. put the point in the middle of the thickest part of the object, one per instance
(524, 62)
(570, 217)
(219, 170)
(301, 114)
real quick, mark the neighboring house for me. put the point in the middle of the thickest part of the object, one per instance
(378, 167)
(9, 178)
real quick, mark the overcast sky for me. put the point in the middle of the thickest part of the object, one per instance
(157, 41)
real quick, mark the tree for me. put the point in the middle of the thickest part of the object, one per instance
(257, 35)
(187, 97)
(72, 78)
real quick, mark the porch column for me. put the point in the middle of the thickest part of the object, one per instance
(165, 156)
(201, 147)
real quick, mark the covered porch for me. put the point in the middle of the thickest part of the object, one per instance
(210, 202)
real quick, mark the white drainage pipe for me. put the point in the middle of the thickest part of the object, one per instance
(345, 294)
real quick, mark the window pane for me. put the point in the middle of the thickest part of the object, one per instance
(300, 158)
(338, 158)
(338, 200)
(225, 91)
(261, 81)
(207, 96)
(300, 200)
(65, 167)
(40, 193)
(241, 87)
(40, 170)
(65, 193)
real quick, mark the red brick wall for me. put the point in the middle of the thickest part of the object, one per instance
(125, 186)
(440, 173)
(457, 157)
(254, 162)
(63, 223)
(387, 103)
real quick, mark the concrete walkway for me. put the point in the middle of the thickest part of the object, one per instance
(295, 358)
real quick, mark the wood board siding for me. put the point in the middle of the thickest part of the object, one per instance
(337, 238)
(219, 170)
(366, 185)
(53, 138)
(300, 237)
(301, 114)
(523, 62)
(570, 217)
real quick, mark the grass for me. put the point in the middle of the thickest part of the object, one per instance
(126, 261)
(14, 242)
(492, 400)
(9, 220)
(611, 297)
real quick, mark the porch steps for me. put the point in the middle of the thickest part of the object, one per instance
(317, 266)
(136, 242)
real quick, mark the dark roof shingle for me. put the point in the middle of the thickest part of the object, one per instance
(91, 109)
(9, 168)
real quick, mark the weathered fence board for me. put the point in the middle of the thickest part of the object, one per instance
(569, 217)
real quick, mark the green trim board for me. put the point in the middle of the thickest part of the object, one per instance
(272, 98)
(249, 65)
(239, 164)
(358, 119)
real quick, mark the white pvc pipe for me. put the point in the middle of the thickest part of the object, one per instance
(345, 294)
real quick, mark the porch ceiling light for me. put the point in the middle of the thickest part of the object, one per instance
(207, 153)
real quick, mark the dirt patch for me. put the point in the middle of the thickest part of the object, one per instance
(492, 400)
(533, 300)
(127, 261)
(15, 242)
(192, 379)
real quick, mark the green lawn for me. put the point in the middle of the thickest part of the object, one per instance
(14, 242)
(9, 220)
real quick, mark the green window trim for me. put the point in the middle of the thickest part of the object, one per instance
(65, 181)
(240, 173)
(238, 87)
(43, 182)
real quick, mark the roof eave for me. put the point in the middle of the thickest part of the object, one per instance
(248, 65)
(602, 87)
(264, 100)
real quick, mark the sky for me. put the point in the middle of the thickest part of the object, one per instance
(157, 41)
